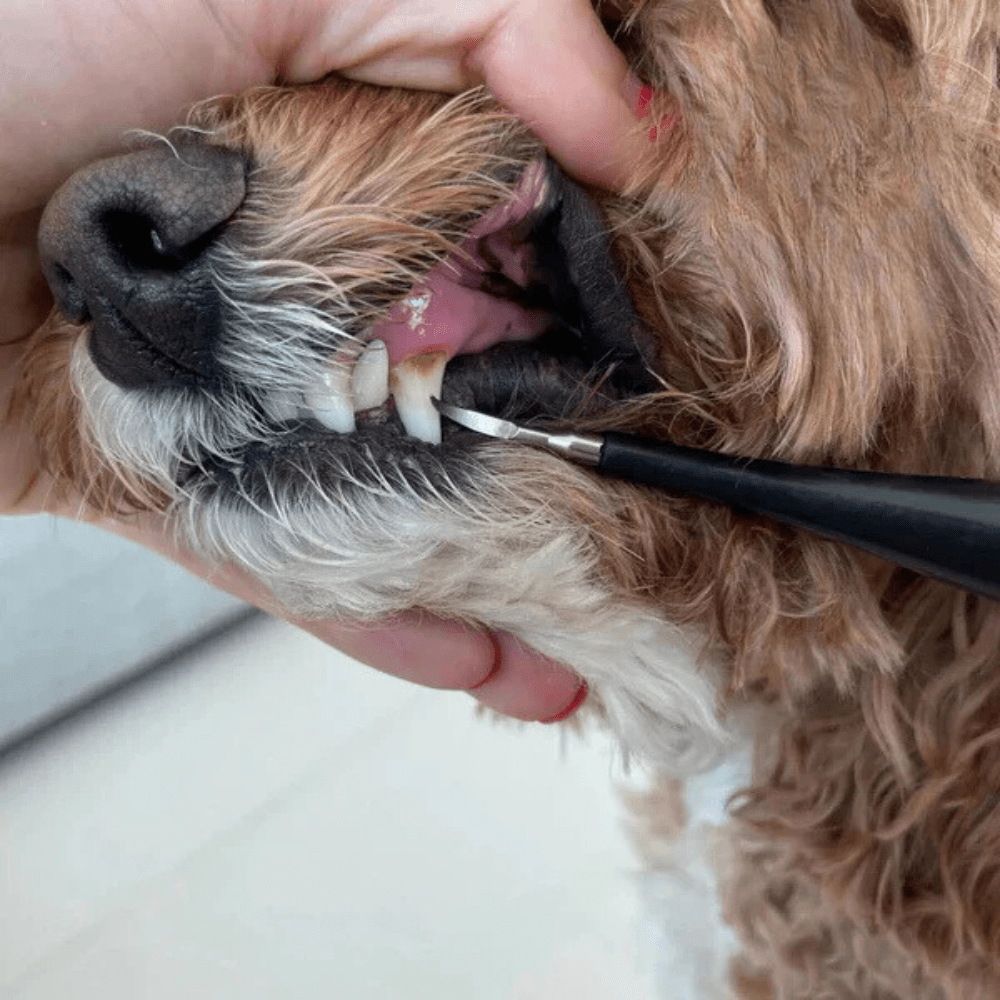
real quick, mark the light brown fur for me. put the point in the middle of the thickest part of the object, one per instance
(815, 247)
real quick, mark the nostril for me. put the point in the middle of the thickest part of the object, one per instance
(149, 213)
(67, 292)
(137, 242)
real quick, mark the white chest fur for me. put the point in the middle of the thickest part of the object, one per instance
(680, 834)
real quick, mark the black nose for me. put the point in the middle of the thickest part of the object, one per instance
(124, 244)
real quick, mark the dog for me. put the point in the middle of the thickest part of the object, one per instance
(253, 313)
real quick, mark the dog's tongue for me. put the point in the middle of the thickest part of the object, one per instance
(447, 311)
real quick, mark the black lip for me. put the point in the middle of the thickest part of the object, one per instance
(521, 382)
(127, 358)
(573, 247)
(528, 383)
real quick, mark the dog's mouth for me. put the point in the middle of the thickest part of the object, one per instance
(528, 317)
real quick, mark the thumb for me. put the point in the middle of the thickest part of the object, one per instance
(553, 65)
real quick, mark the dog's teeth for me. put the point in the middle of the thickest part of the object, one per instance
(412, 383)
(280, 406)
(329, 398)
(370, 378)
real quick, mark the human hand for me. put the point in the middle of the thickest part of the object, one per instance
(83, 76)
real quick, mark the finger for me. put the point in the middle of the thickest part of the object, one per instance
(554, 66)
(420, 648)
(526, 685)
(495, 668)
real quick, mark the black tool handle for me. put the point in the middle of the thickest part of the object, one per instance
(947, 528)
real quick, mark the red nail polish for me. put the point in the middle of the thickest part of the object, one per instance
(637, 95)
(578, 700)
(645, 99)
(666, 123)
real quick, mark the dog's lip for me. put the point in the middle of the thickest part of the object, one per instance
(114, 324)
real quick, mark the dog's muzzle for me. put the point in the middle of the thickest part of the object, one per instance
(528, 314)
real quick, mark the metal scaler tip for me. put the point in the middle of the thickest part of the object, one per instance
(580, 448)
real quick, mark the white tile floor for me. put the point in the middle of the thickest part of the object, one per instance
(268, 819)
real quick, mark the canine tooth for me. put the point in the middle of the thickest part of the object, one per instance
(370, 378)
(412, 383)
(329, 398)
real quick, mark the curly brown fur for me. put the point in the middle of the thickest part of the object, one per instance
(842, 172)
(879, 348)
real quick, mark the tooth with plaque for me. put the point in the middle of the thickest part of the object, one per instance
(329, 397)
(412, 383)
(370, 378)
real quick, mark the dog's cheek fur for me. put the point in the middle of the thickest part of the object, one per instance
(822, 170)
(356, 193)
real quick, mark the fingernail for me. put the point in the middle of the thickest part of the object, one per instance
(638, 95)
(578, 699)
(667, 122)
